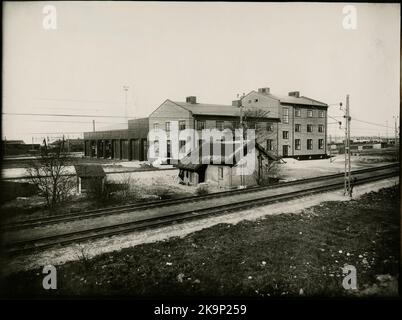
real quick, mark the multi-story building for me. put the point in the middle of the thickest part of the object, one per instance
(302, 128)
(197, 116)
(292, 126)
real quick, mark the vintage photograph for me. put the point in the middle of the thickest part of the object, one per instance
(200, 150)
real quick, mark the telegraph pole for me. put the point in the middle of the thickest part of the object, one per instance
(386, 125)
(396, 137)
(242, 138)
(347, 149)
(93, 125)
(125, 88)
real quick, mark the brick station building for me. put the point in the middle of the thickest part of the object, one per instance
(294, 126)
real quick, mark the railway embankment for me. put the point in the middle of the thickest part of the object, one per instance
(299, 252)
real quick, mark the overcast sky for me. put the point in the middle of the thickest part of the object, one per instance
(210, 50)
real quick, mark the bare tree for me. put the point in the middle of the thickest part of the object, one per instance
(269, 173)
(49, 173)
(258, 119)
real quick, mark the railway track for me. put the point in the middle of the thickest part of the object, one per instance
(45, 242)
(32, 223)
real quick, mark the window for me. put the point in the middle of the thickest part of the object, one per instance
(167, 126)
(156, 147)
(321, 114)
(200, 124)
(297, 112)
(229, 124)
(269, 145)
(249, 101)
(156, 126)
(251, 124)
(297, 127)
(182, 145)
(285, 115)
(309, 128)
(270, 127)
(320, 143)
(235, 124)
(220, 173)
(297, 144)
(320, 128)
(182, 125)
(309, 144)
(256, 100)
(219, 125)
(285, 134)
(309, 113)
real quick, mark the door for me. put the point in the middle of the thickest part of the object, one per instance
(144, 148)
(116, 149)
(135, 154)
(285, 151)
(124, 149)
(168, 153)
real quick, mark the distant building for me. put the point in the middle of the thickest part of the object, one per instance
(89, 176)
(69, 145)
(18, 147)
(13, 142)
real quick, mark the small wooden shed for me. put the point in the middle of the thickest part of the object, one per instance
(197, 168)
(89, 176)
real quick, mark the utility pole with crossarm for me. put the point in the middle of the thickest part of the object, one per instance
(347, 149)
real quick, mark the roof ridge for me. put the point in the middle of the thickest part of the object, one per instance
(202, 103)
(313, 100)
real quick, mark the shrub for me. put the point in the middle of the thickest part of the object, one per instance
(202, 190)
(162, 192)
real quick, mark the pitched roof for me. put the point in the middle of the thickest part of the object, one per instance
(194, 160)
(294, 100)
(300, 100)
(89, 170)
(216, 110)
(210, 109)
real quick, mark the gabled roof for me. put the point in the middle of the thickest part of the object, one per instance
(89, 170)
(216, 110)
(194, 160)
(301, 100)
(210, 109)
(293, 100)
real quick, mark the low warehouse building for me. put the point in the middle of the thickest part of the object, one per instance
(126, 144)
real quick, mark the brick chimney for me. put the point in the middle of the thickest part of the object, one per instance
(294, 94)
(263, 90)
(191, 99)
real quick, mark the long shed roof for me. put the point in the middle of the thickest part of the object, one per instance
(195, 159)
(89, 170)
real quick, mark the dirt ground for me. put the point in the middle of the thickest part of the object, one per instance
(293, 254)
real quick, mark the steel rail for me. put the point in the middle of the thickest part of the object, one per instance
(121, 228)
(30, 223)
